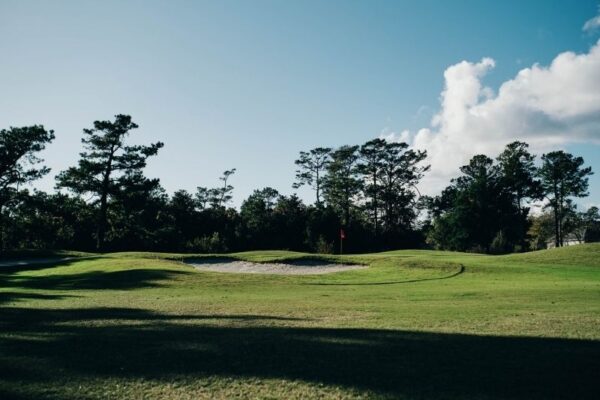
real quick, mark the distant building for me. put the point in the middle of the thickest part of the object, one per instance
(569, 240)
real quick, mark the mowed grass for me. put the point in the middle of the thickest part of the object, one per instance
(414, 325)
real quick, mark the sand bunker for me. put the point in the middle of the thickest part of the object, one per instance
(293, 267)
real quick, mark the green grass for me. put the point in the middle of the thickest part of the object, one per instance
(415, 324)
(33, 254)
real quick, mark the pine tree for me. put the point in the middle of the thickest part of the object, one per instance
(106, 166)
(562, 176)
(311, 169)
(19, 163)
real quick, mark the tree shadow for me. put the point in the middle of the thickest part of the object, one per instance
(134, 343)
(9, 297)
(33, 319)
(125, 279)
(132, 278)
(16, 266)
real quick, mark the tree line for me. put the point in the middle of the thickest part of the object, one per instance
(487, 208)
(368, 191)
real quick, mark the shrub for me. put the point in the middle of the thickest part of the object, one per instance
(208, 244)
(500, 245)
(323, 247)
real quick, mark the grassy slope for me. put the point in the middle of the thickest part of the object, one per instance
(416, 324)
(6, 256)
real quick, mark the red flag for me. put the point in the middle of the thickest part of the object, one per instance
(342, 234)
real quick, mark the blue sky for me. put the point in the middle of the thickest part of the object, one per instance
(249, 84)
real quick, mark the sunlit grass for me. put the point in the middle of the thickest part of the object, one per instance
(132, 325)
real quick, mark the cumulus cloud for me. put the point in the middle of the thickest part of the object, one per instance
(546, 106)
(592, 24)
(392, 136)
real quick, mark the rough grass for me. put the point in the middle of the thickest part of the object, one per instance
(33, 254)
(415, 324)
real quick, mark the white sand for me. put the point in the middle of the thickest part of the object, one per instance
(295, 267)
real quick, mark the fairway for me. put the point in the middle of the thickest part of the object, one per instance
(414, 324)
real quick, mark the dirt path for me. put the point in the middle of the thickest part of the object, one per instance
(296, 267)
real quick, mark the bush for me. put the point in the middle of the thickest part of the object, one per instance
(323, 247)
(500, 245)
(592, 233)
(208, 244)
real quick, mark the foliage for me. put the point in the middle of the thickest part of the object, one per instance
(562, 175)
(371, 167)
(401, 172)
(18, 148)
(207, 244)
(19, 162)
(541, 230)
(484, 211)
(518, 173)
(323, 247)
(49, 221)
(477, 213)
(342, 186)
(311, 169)
(370, 191)
(108, 167)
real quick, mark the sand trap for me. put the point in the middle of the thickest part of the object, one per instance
(294, 267)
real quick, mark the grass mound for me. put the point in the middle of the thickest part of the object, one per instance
(587, 254)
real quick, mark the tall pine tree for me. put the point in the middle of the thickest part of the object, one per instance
(106, 166)
(372, 156)
(311, 169)
(342, 185)
(562, 176)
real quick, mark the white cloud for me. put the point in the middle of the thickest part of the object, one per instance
(593, 23)
(546, 106)
(392, 136)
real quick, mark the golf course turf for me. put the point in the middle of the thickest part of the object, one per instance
(415, 324)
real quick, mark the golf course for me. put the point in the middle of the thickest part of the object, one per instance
(410, 324)
(297, 200)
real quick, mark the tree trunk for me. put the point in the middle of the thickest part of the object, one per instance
(375, 203)
(347, 209)
(1, 229)
(556, 216)
(556, 229)
(560, 222)
(102, 216)
(101, 229)
(318, 184)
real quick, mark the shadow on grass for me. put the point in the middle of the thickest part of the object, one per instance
(97, 280)
(7, 297)
(37, 264)
(125, 279)
(139, 344)
(31, 319)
